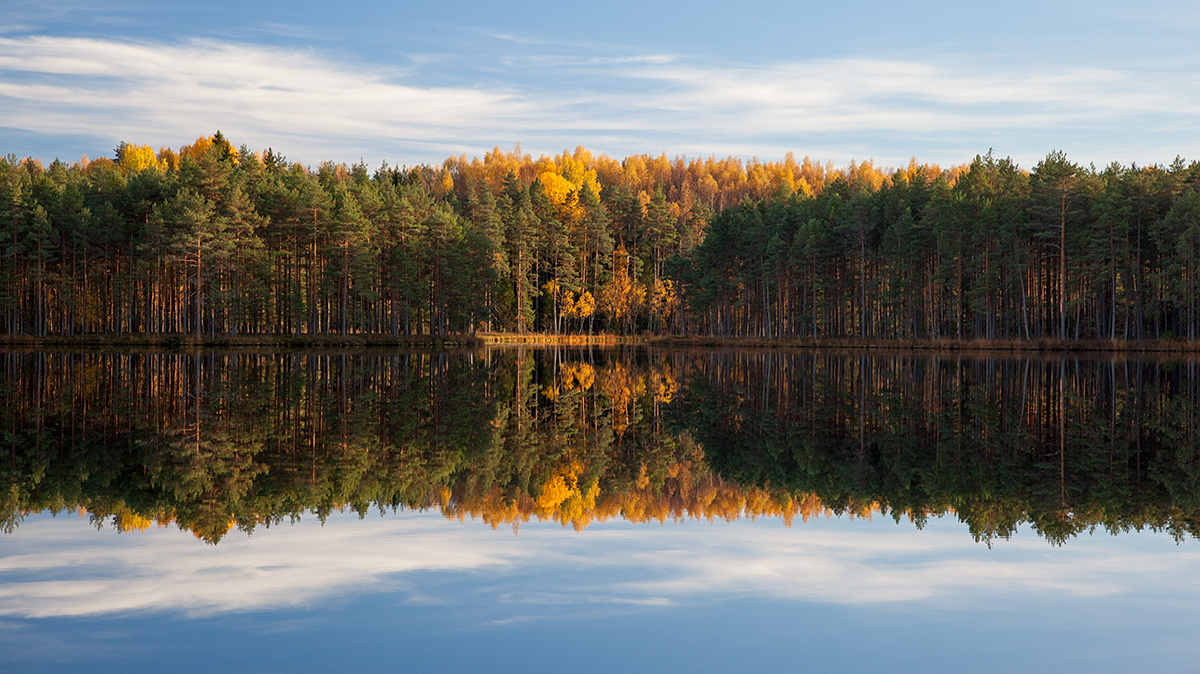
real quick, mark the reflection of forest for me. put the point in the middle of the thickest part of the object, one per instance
(220, 439)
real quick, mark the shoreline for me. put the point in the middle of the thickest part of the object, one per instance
(946, 345)
(604, 340)
(237, 341)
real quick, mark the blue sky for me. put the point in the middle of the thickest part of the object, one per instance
(416, 82)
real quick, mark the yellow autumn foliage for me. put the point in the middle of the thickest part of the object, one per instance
(712, 182)
(584, 306)
(563, 194)
(554, 492)
(663, 300)
(126, 520)
(559, 488)
(197, 148)
(136, 158)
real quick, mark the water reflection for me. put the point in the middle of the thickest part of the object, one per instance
(215, 440)
(67, 570)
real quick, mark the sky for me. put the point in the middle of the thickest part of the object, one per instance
(413, 83)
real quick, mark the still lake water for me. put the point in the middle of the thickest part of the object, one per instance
(535, 510)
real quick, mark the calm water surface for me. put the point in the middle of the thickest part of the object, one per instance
(512, 510)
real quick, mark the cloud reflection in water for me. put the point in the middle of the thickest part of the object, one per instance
(59, 568)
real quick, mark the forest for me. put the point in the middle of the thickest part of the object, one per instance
(210, 240)
(213, 440)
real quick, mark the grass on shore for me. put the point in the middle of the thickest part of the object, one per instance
(233, 341)
(1040, 345)
(544, 339)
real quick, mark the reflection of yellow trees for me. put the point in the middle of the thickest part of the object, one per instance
(663, 384)
(125, 520)
(579, 375)
(555, 492)
(684, 488)
(571, 436)
(670, 482)
(555, 438)
(559, 488)
(564, 500)
(622, 384)
(701, 496)
(572, 376)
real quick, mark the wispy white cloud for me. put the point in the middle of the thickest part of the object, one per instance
(171, 570)
(174, 92)
(60, 568)
(308, 104)
(861, 95)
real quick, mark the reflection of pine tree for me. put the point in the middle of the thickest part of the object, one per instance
(206, 440)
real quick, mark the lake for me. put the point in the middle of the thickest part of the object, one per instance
(597, 509)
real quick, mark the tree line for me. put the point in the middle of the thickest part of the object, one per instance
(211, 240)
(1060, 252)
